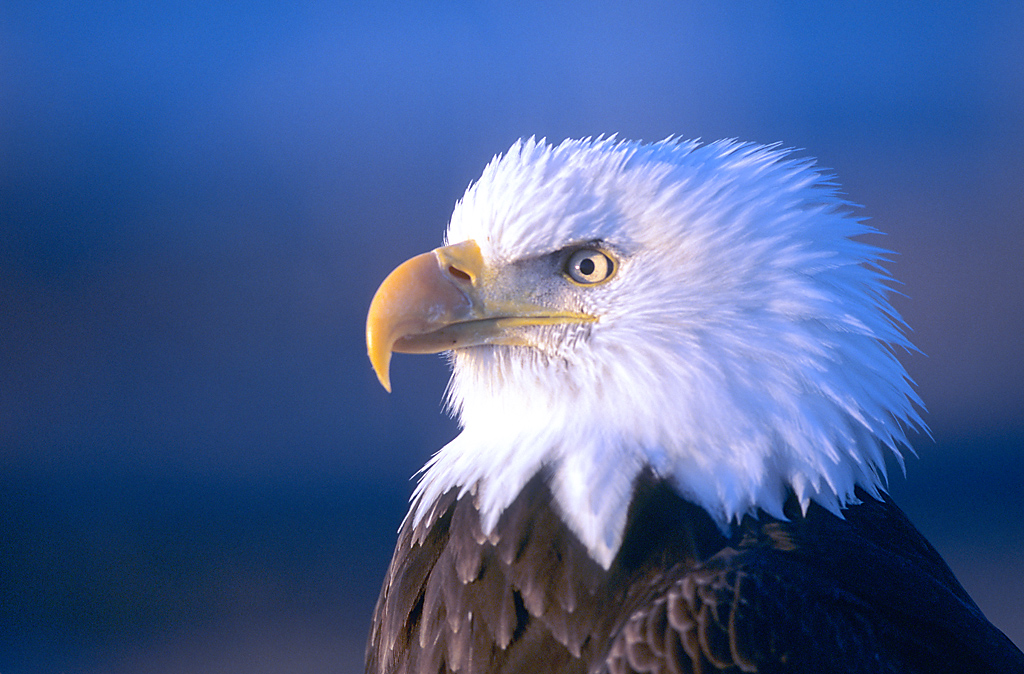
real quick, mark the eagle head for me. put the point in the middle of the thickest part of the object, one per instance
(705, 312)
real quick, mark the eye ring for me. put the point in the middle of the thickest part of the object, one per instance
(589, 266)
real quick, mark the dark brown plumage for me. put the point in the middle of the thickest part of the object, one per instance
(813, 594)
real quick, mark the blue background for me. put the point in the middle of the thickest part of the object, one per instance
(198, 470)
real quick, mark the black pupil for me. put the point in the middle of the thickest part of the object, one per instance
(587, 266)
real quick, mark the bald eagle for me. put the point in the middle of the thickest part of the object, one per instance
(674, 368)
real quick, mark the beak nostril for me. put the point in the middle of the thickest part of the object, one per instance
(459, 274)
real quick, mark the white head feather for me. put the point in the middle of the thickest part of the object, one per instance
(743, 349)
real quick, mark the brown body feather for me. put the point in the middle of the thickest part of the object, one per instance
(814, 593)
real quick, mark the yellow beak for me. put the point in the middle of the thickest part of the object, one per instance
(447, 299)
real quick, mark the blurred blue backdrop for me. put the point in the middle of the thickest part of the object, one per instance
(198, 470)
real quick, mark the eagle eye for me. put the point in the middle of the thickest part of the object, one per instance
(588, 266)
